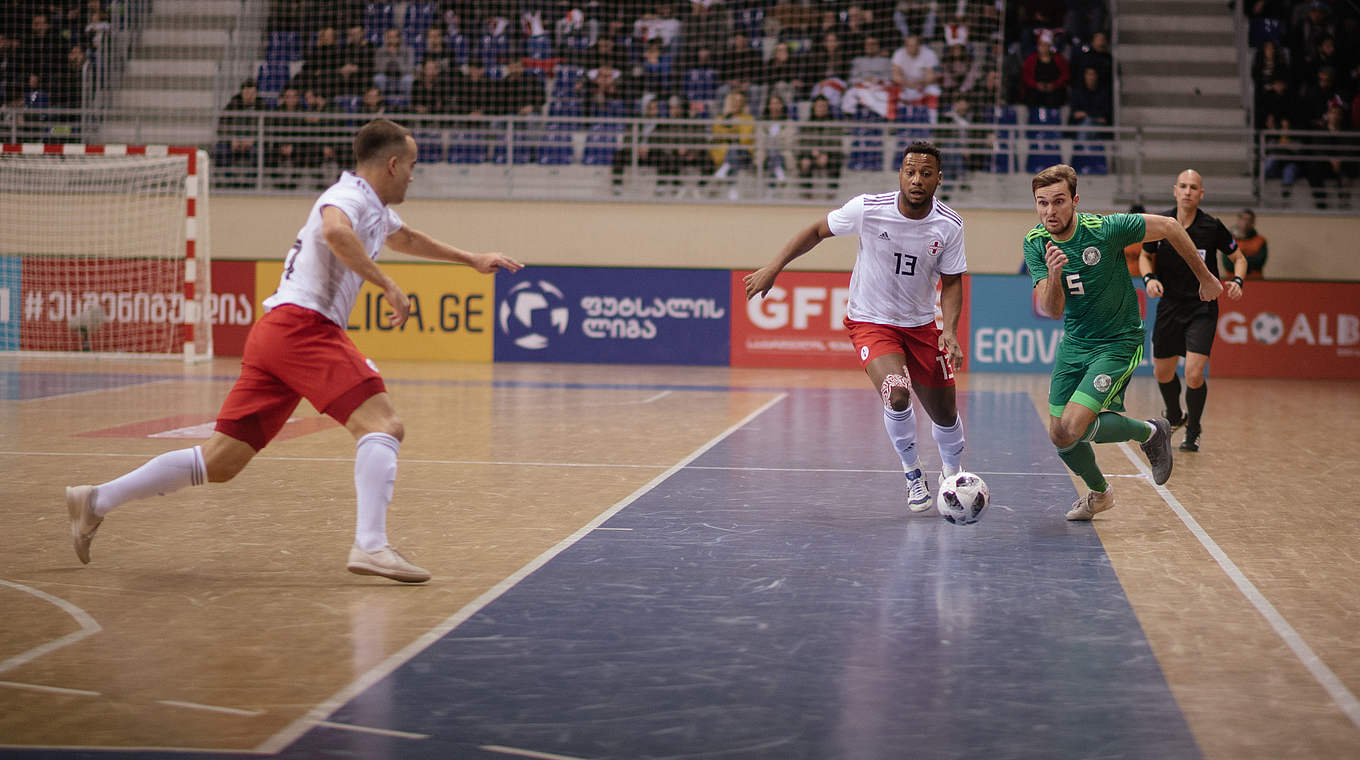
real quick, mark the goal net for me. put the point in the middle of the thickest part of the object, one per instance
(103, 251)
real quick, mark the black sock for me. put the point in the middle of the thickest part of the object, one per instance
(1194, 404)
(1171, 397)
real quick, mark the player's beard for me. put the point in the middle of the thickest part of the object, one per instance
(1064, 233)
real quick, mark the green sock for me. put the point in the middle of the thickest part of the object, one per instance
(1116, 427)
(1080, 458)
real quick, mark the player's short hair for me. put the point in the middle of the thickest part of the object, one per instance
(1249, 213)
(379, 139)
(924, 147)
(1053, 175)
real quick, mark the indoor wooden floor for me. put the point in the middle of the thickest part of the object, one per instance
(221, 618)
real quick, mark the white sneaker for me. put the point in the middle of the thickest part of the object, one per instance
(1093, 503)
(918, 494)
(84, 522)
(386, 562)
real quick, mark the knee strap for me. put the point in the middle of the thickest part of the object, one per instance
(890, 382)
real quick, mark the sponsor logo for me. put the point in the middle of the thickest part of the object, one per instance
(531, 312)
(884, 235)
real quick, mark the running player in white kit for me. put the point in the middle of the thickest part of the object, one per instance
(299, 350)
(908, 241)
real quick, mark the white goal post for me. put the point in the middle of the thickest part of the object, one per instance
(104, 251)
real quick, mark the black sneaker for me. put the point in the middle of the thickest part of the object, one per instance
(1191, 442)
(1158, 450)
(1176, 421)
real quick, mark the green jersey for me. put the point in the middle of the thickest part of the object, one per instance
(1101, 301)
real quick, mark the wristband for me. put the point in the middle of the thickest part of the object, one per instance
(1237, 280)
(1149, 277)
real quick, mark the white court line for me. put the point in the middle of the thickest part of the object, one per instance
(370, 730)
(324, 710)
(50, 689)
(210, 708)
(526, 753)
(1340, 695)
(88, 627)
(519, 463)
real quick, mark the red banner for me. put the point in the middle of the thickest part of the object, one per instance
(231, 305)
(99, 304)
(1307, 330)
(799, 323)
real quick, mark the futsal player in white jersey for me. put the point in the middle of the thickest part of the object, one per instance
(299, 350)
(908, 241)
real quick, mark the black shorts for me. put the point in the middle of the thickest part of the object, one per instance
(1184, 326)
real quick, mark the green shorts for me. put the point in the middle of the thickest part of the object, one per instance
(1093, 377)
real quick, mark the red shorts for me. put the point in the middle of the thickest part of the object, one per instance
(294, 353)
(926, 364)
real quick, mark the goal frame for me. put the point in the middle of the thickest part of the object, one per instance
(196, 256)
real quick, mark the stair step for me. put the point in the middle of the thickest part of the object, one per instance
(1163, 50)
(217, 37)
(1215, 24)
(1232, 103)
(1230, 151)
(165, 21)
(1225, 70)
(199, 7)
(1136, 116)
(173, 99)
(1182, 85)
(204, 67)
(146, 52)
(1169, 7)
(158, 134)
(168, 82)
(1186, 38)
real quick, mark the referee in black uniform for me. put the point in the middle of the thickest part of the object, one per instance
(1185, 325)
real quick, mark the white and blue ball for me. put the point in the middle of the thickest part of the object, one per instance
(962, 499)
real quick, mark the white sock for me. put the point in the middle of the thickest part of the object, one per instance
(722, 170)
(902, 430)
(165, 474)
(951, 443)
(375, 475)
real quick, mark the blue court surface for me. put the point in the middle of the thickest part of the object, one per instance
(774, 599)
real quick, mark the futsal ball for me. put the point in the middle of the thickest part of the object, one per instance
(962, 498)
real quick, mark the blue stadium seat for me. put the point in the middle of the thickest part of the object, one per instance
(539, 46)
(429, 145)
(458, 45)
(283, 47)
(701, 84)
(419, 18)
(1043, 148)
(567, 82)
(1090, 158)
(493, 50)
(467, 147)
(377, 20)
(555, 148)
(273, 77)
(346, 103)
(866, 144)
(1003, 158)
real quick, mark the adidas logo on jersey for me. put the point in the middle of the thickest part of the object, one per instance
(884, 235)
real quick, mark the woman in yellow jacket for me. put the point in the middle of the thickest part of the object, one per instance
(734, 135)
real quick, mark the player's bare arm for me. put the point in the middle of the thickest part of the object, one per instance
(1052, 297)
(417, 243)
(1233, 287)
(1169, 229)
(340, 237)
(1145, 268)
(761, 280)
(951, 306)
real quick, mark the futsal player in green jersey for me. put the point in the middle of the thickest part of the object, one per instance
(1077, 263)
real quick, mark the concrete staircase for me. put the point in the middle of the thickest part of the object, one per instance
(1179, 73)
(167, 93)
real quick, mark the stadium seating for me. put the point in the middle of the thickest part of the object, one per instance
(1044, 146)
(377, 20)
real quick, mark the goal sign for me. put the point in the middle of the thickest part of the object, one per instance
(104, 251)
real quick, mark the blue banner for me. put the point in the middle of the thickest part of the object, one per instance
(10, 290)
(620, 316)
(1009, 334)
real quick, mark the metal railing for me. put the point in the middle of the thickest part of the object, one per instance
(590, 158)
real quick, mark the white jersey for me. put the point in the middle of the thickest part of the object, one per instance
(900, 260)
(313, 277)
